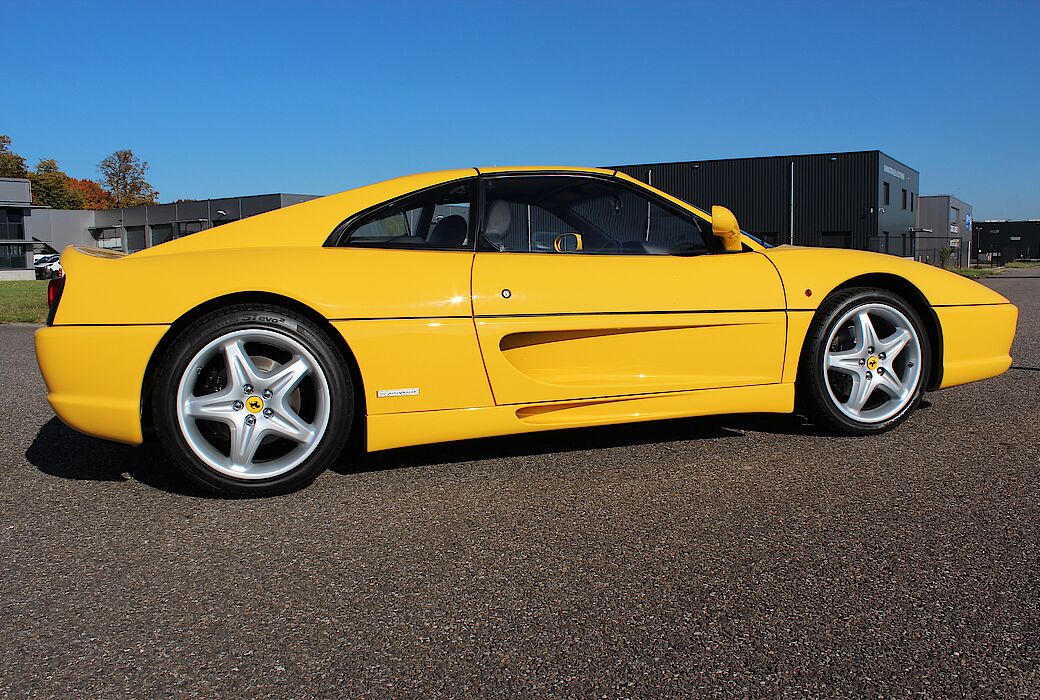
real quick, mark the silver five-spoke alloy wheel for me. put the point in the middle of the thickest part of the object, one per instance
(253, 404)
(872, 364)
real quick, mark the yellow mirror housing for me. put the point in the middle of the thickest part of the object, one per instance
(724, 225)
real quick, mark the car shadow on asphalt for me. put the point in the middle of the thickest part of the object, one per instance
(59, 451)
(355, 460)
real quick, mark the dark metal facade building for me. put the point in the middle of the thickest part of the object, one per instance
(863, 199)
(1002, 242)
(142, 227)
(945, 223)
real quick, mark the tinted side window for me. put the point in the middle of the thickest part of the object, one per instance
(568, 214)
(434, 219)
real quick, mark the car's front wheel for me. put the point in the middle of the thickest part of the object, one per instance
(253, 400)
(865, 363)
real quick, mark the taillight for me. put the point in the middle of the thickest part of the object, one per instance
(54, 289)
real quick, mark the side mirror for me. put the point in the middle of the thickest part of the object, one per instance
(724, 225)
(559, 241)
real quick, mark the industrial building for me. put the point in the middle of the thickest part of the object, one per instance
(1000, 242)
(944, 222)
(15, 203)
(26, 229)
(865, 199)
(136, 228)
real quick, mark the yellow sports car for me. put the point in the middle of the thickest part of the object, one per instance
(481, 302)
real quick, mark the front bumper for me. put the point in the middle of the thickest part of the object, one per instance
(94, 376)
(976, 341)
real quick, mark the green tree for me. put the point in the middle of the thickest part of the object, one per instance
(123, 174)
(50, 187)
(11, 164)
(944, 256)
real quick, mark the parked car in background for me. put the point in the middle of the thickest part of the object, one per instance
(48, 266)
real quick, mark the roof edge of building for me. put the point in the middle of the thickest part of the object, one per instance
(778, 156)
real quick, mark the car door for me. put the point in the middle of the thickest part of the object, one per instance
(586, 286)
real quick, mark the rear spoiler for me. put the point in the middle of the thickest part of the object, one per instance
(93, 252)
(76, 256)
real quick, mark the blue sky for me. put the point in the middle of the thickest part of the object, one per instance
(228, 98)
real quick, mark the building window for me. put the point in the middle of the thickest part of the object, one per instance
(12, 257)
(911, 201)
(111, 238)
(904, 199)
(836, 239)
(134, 238)
(161, 233)
(186, 228)
(884, 198)
(12, 225)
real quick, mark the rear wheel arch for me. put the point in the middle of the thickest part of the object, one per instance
(913, 296)
(268, 298)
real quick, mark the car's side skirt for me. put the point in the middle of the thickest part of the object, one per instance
(387, 431)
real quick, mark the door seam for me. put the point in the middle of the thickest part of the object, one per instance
(476, 333)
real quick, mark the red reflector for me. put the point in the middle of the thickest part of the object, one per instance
(54, 288)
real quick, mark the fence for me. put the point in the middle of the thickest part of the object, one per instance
(926, 249)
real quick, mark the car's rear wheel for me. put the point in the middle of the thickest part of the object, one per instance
(253, 400)
(865, 363)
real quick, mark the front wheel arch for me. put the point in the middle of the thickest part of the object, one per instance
(913, 296)
(810, 395)
(254, 297)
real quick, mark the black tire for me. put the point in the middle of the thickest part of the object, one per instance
(252, 317)
(815, 400)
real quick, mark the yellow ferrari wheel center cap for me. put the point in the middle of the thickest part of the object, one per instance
(872, 363)
(255, 404)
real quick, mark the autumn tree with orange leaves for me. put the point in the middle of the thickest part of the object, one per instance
(94, 195)
(123, 172)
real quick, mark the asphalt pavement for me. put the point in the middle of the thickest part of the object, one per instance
(732, 556)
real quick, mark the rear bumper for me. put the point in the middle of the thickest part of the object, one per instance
(94, 376)
(976, 341)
